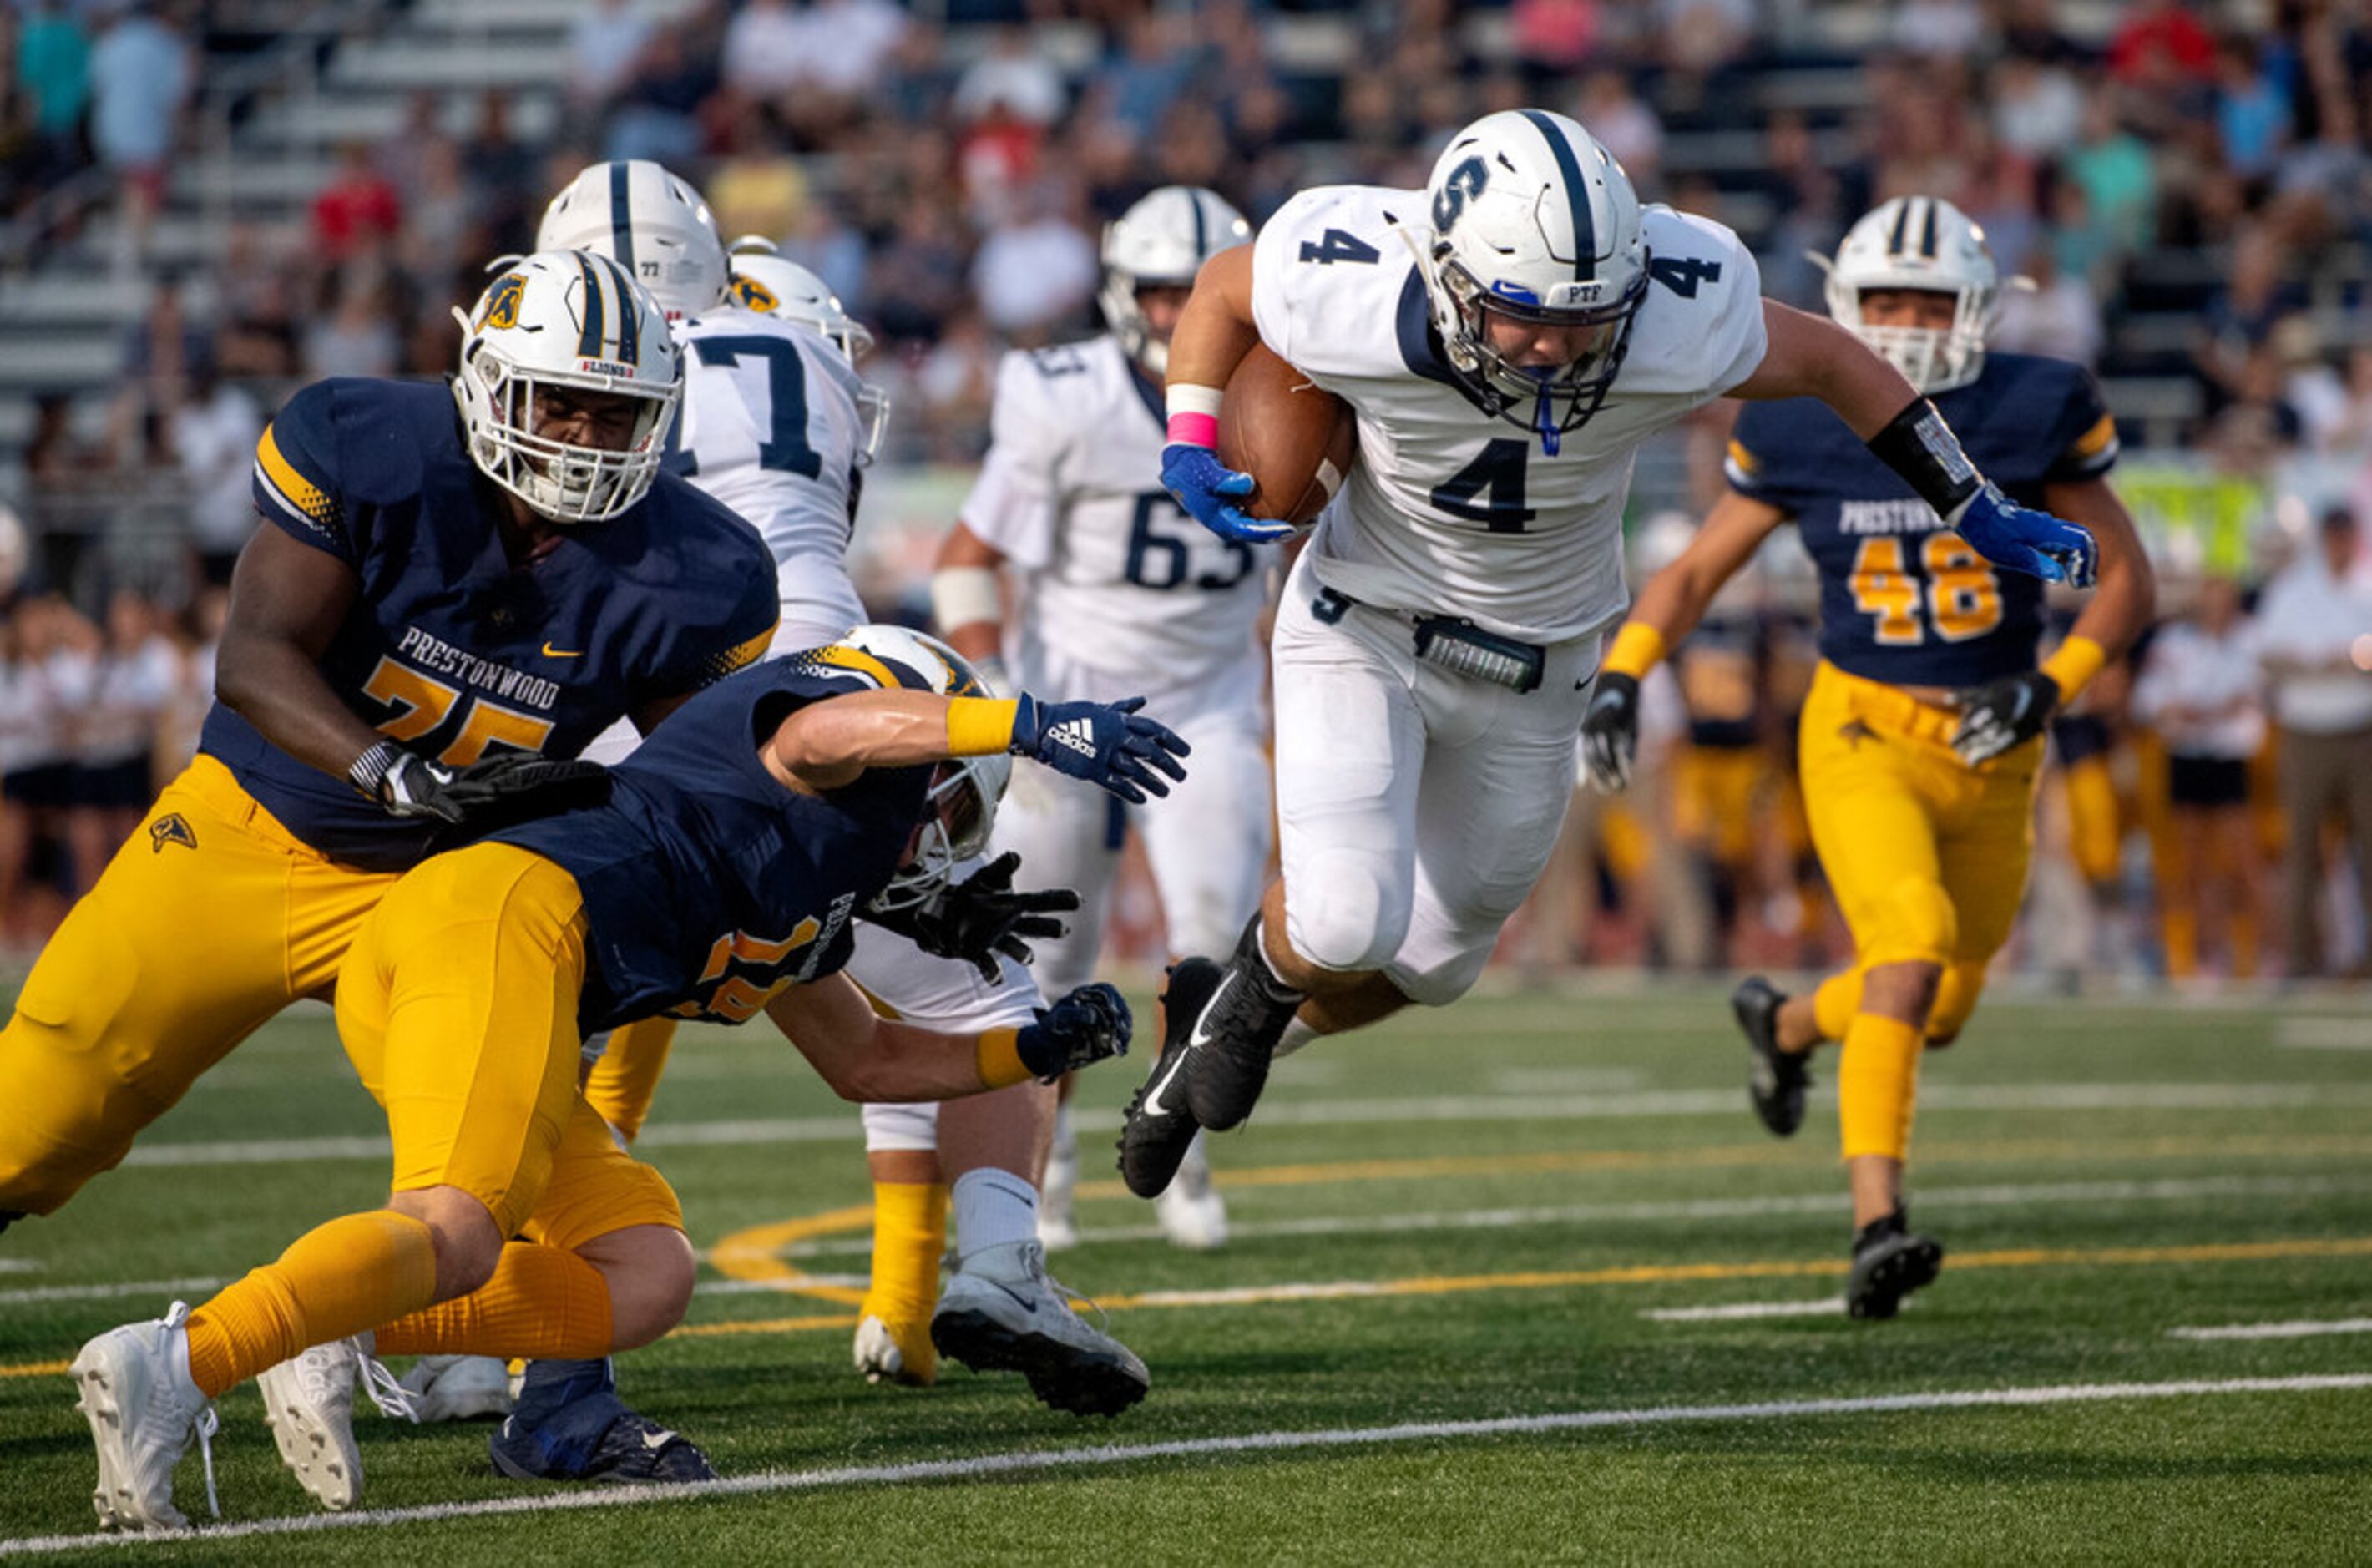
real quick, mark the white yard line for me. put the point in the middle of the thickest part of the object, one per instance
(2306, 1033)
(1409, 1110)
(1023, 1463)
(2004, 1195)
(1829, 1307)
(2293, 1330)
(163, 1290)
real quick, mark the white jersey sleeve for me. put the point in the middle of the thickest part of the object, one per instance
(1118, 588)
(770, 427)
(1451, 508)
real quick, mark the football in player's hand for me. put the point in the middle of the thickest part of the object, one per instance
(1294, 437)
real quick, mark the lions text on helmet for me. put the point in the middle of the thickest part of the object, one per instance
(1151, 254)
(1535, 268)
(568, 383)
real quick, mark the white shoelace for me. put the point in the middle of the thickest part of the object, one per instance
(207, 1424)
(387, 1391)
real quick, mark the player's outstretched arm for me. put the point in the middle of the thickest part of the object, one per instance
(1810, 356)
(871, 1059)
(2007, 713)
(1668, 609)
(1213, 334)
(827, 744)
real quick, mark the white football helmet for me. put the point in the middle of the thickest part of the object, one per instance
(1534, 222)
(775, 285)
(964, 792)
(650, 222)
(1925, 243)
(1161, 241)
(565, 319)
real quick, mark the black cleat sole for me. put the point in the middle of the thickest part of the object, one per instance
(1062, 1380)
(1152, 1149)
(1877, 1292)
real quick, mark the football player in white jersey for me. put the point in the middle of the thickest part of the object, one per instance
(1114, 586)
(1506, 336)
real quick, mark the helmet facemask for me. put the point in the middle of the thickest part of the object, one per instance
(563, 481)
(958, 813)
(1931, 359)
(1528, 396)
(1925, 245)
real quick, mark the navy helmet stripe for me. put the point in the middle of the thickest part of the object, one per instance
(1576, 190)
(588, 342)
(622, 217)
(1202, 241)
(1928, 235)
(630, 332)
(1901, 223)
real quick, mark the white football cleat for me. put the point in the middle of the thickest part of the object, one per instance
(1192, 1213)
(1000, 1313)
(309, 1402)
(1058, 1229)
(136, 1392)
(459, 1388)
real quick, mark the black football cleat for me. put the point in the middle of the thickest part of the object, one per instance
(1777, 1079)
(1235, 1036)
(569, 1424)
(1889, 1261)
(1159, 1127)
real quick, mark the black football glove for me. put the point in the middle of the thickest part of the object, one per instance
(1109, 743)
(509, 788)
(976, 919)
(1082, 1028)
(2004, 714)
(1610, 732)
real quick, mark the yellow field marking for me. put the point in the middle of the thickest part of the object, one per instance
(1635, 1273)
(35, 1369)
(755, 1254)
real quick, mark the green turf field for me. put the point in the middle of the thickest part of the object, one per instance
(1438, 1320)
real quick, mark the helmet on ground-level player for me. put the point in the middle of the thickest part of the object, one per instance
(1533, 222)
(775, 285)
(1161, 242)
(964, 791)
(650, 222)
(1926, 244)
(565, 319)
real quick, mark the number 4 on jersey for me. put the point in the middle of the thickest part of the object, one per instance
(1340, 245)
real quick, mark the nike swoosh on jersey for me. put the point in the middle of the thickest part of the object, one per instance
(551, 652)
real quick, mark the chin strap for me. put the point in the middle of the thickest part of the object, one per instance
(1544, 424)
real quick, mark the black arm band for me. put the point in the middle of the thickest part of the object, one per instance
(1920, 447)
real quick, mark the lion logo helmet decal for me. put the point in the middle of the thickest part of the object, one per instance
(503, 301)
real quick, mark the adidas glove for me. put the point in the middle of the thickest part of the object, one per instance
(1082, 1028)
(1108, 744)
(509, 788)
(2004, 714)
(979, 917)
(1208, 489)
(2025, 540)
(1610, 732)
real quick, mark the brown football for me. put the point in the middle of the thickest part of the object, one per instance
(1293, 436)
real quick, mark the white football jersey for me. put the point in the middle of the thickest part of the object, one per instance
(1449, 509)
(770, 427)
(1111, 573)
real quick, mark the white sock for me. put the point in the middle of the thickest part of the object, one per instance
(1297, 1035)
(992, 1207)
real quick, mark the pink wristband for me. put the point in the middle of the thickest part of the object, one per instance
(1194, 430)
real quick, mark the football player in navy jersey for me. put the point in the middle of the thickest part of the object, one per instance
(719, 880)
(1922, 737)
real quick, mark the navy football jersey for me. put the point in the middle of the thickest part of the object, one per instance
(1904, 599)
(710, 885)
(1719, 667)
(452, 650)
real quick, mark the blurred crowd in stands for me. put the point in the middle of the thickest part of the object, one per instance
(2189, 193)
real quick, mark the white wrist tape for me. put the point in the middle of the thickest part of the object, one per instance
(964, 596)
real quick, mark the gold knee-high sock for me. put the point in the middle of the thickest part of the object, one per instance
(541, 1302)
(1877, 1083)
(336, 1279)
(910, 1232)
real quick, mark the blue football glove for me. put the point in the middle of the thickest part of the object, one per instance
(1109, 743)
(1089, 1025)
(2025, 540)
(1202, 484)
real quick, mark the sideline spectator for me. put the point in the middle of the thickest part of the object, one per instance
(212, 435)
(2317, 644)
(140, 77)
